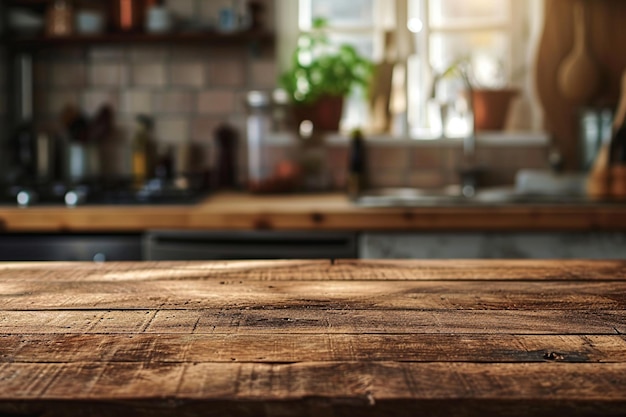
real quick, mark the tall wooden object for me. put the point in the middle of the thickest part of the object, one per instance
(605, 21)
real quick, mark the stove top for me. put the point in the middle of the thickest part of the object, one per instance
(101, 193)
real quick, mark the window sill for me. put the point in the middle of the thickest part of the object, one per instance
(503, 139)
(495, 139)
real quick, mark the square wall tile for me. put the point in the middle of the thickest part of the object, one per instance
(337, 157)
(92, 100)
(263, 74)
(191, 53)
(173, 130)
(387, 179)
(203, 129)
(174, 102)
(108, 75)
(388, 158)
(115, 54)
(56, 101)
(135, 102)
(149, 75)
(187, 75)
(209, 10)
(427, 158)
(149, 54)
(185, 9)
(216, 102)
(427, 179)
(63, 74)
(227, 73)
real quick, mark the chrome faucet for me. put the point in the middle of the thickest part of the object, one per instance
(469, 171)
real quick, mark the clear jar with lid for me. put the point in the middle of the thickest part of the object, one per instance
(60, 18)
(271, 166)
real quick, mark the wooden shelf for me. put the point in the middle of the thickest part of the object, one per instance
(196, 38)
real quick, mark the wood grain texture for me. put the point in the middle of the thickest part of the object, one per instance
(314, 321)
(356, 294)
(232, 211)
(324, 347)
(320, 270)
(293, 338)
(605, 21)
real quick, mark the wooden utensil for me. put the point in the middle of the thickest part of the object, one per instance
(381, 87)
(579, 76)
(620, 114)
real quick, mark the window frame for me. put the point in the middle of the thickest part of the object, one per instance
(523, 39)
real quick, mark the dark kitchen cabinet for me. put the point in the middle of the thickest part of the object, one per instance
(70, 247)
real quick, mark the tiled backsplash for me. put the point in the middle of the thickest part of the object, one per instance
(188, 89)
(432, 166)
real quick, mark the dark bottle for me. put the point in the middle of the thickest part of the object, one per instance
(226, 141)
(617, 160)
(24, 146)
(357, 167)
(142, 151)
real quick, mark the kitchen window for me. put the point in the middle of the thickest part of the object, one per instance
(496, 39)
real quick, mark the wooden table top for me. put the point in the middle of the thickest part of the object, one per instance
(242, 211)
(304, 338)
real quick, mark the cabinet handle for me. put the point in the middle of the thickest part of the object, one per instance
(99, 257)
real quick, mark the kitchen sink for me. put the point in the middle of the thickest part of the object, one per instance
(453, 196)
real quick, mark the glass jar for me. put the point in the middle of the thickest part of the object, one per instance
(60, 19)
(271, 166)
(128, 15)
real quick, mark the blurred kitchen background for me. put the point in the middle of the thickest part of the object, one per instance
(90, 87)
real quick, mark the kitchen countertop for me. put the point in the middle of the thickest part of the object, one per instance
(242, 211)
(299, 338)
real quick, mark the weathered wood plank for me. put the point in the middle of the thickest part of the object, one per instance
(354, 381)
(308, 321)
(374, 295)
(567, 270)
(281, 347)
(122, 272)
(294, 270)
(313, 338)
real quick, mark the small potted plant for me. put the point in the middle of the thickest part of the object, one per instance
(321, 75)
(490, 101)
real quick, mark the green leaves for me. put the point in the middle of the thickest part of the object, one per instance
(321, 68)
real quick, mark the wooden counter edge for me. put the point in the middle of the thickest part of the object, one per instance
(311, 212)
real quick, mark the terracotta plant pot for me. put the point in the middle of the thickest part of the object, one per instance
(325, 113)
(491, 108)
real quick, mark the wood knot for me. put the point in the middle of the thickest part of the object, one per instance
(317, 218)
(263, 224)
(553, 356)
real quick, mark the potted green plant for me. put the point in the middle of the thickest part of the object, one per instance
(321, 75)
(489, 103)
